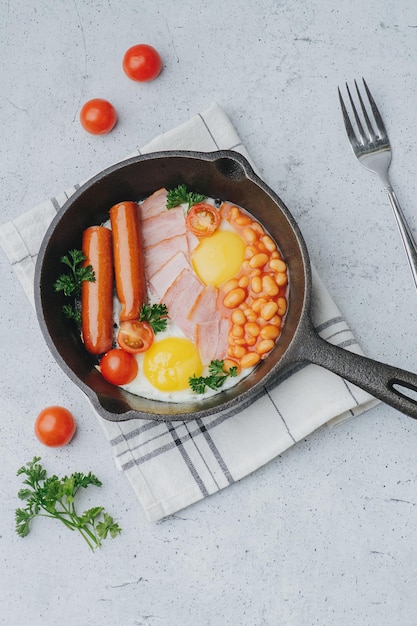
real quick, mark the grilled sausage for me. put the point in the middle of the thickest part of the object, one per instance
(129, 266)
(97, 296)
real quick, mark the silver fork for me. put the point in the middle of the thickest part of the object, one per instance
(373, 151)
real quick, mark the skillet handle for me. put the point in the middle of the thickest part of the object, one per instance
(392, 385)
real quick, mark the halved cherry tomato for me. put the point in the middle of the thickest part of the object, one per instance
(135, 336)
(98, 116)
(203, 219)
(55, 426)
(142, 63)
(118, 367)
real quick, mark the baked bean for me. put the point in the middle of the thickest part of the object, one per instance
(230, 284)
(258, 304)
(249, 360)
(229, 363)
(269, 285)
(268, 310)
(269, 243)
(258, 228)
(238, 317)
(243, 220)
(237, 351)
(258, 260)
(251, 316)
(237, 331)
(250, 235)
(250, 340)
(281, 279)
(276, 321)
(250, 251)
(265, 346)
(282, 306)
(269, 332)
(235, 297)
(278, 265)
(256, 284)
(252, 328)
(243, 281)
(234, 213)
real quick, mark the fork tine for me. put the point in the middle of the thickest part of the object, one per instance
(365, 114)
(348, 125)
(355, 113)
(378, 119)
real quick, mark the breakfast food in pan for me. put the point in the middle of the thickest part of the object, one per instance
(183, 294)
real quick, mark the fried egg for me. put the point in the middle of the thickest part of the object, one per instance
(218, 257)
(170, 362)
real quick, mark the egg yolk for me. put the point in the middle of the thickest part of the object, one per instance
(169, 363)
(218, 258)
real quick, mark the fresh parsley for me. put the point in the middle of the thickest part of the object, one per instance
(180, 195)
(50, 496)
(156, 316)
(215, 379)
(70, 282)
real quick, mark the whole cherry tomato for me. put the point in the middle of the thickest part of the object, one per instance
(142, 63)
(135, 336)
(203, 219)
(55, 426)
(98, 116)
(118, 367)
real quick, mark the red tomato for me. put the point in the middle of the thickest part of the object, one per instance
(118, 367)
(142, 63)
(55, 426)
(203, 219)
(135, 336)
(98, 116)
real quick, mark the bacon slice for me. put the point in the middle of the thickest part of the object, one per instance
(163, 226)
(204, 308)
(180, 296)
(158, 255)
(211, 340)
(154, 204)
(163, 278)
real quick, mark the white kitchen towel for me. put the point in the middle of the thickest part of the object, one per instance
(172, 465)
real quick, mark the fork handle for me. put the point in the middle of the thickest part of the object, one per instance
(405, 232)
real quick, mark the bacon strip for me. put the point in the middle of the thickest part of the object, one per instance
(178, 299)
(162, 279)
(163, 226)
(154, 204)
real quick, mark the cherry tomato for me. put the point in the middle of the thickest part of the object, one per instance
(98, 116)
(55, 426)
(118, 367)
(142, 63)
(203, 219)
(135, 336)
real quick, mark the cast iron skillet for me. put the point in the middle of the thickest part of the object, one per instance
(228, 176)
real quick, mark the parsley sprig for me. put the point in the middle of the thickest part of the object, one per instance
(70, 282)
(50, 496)
(156, 315)
(180, 195)
(215, 379)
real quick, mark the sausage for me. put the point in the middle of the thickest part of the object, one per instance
(129, 265)
(97, 296)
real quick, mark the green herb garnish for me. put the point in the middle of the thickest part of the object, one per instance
(50, 496)
(215, 379)
(70, 283)
(156, 315)
(180, 195)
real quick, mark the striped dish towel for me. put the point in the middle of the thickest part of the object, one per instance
(172, 465)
